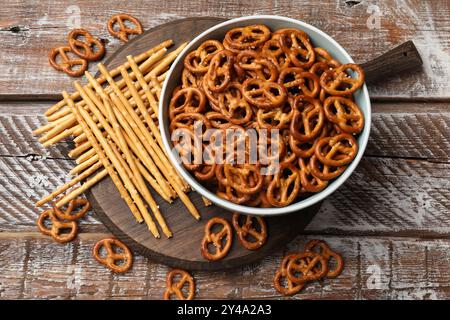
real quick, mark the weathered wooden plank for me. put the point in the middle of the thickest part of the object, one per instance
(375, 268)
(27, 30)
(404, 129)
(383, 197)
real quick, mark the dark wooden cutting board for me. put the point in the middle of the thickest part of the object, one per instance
(183, 250)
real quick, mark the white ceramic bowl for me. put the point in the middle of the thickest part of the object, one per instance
(319, 39)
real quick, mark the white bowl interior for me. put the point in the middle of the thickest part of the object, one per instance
(319, 39)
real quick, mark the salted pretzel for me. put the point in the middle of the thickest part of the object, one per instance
(218, 120)
(272, 49)
(86, 48)
(216, 239)
(336, 151)
(277, 118)
(305, 149)
(323, 171)
(189, 79)
(285, 186)
(282, 283)
(67, 64)
(80, 205)
(345, 113)
(244, 178)
(123, 32)
(190, 120)
(322, 248)
(308, 119)
(251, 64)
(248, 37)
(176, 288)
(187, 100)
(57, 228)
(323, 55)
(306, 266)
(263, 94)
(309, 182)
(219, 71)
(198, 61)
(253, 228)
(116, 252)
(338, 82)
(299, 82)
(296, 45)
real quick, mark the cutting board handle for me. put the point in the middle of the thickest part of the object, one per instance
(399, 59)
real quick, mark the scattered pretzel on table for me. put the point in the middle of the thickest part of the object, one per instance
(123, 32)
(66, 64)
(113, 255)
(176, 288)
(57, 227)
(80, 206)
(91, 49)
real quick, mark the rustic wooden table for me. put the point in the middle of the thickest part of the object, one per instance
(390, 221)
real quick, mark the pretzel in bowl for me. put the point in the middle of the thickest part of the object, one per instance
(117, 257)
(220, 240)
(271, 82)
(177, 288)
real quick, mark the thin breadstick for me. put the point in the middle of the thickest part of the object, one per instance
(75, 152)
(167, 60)
(69, 184)
(206, 202)
(141, 57)
(52, 124)
(80, 190)
(98, 109)
(137, 175)
(84, 165)
(156, 85)
(88, 154)
(66, 133)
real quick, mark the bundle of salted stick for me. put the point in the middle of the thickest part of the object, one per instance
(113, 121)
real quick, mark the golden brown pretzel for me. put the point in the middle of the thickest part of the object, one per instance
(277, 118)
(323, 171)
(325, 251)
(66, 64)
(198, 61)
(336, 151)
(73, 205)
(123, 31)
(296, 45)
(263, 94)
(272, 49)
(345, 113)
(309, 182)
(299, 82)
(219, 71)
(249, 230)
(308, 119)
(215, 239)
(113, 255)
(86, 49)
(187, 100)
(57, 227)
(282, 283)
(306, 266)
(248, 37)
(285, 186)
(250, 64)
(177, 287)
(338, 82)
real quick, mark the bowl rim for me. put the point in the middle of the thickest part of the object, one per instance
(297, 206)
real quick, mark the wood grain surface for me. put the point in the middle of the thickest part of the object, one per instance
(390, 221)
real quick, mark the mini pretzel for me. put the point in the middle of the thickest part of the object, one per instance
(285, 186)
(306, 266)
(305, 149)
(336, 151)
(67, 63)
(210, 237)
(198, 61)
(74, 204)
(322, 55)
(296, 45)
(177, 287)
(245, 178)
(85, 49)
(263, 94)
(219, 72)
(289, 288)
(309, 182)
(187, 100)
(249, 63)
(112, 255)
(297, 81)
(323, 171)
(327, 253)
(124, 31)
(57, 227)
(272, 49)
(345, 113)
(277, 118)
(248, 37)
(308, 119)
(249, 230)
(338, 83)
